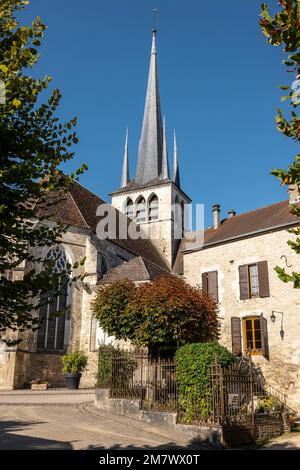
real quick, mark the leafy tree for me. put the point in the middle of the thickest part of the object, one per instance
(283, 29)
(33, 145)
(165, 312)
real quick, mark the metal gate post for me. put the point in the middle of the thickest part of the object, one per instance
(252, 399)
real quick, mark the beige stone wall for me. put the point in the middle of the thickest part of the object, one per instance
(283, 367)
(29, 366)
(18, 369)
(90, 375)
(7, 368)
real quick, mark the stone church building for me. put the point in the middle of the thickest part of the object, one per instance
(234, 265)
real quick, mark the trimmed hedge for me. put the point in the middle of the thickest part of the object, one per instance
(193, 362)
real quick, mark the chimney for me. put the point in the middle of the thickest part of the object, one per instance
(217, 218)
(231, 213)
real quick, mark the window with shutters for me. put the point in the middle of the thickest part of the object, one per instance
(210, 284)
(251, 332)
(52, 313)
(254, 280)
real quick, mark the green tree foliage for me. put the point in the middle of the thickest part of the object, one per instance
(283, 29)
(165, 311)
(193, 364)
(33, 145)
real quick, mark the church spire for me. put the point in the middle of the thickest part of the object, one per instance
(125, 172)
(150, 155)
(176, 177)
(165, 162)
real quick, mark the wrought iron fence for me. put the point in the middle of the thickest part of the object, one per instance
(231, 400)
(154, 382)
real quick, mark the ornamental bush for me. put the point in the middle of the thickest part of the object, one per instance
(74, 362)
(193, 363)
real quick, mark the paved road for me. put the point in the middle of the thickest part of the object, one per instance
(67, 420)
(79, 426)
(290, 441)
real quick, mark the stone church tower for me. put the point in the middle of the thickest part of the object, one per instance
(153, 199)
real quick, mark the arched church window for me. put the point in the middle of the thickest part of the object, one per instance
(52, 313)
(102, 265)
(153, 208)
(141, 210)
(129, 209)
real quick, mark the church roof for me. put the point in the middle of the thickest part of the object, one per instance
(150, 154)
(256, 222)
(79, 209)
(134, 186)
(136, 270)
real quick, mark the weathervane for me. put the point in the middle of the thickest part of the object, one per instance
(155, 14)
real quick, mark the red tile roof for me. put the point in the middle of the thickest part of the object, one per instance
(254, 222)
(264, 219)
(79, 209)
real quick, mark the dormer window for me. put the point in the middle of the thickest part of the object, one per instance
(141, 210)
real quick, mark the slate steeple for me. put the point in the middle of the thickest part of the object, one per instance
(125, 172)
(150, 154)
(176, 177)
(165, 174)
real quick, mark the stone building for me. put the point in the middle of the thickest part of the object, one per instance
(258, 312)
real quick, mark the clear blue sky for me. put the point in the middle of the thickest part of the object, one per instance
(218, 84)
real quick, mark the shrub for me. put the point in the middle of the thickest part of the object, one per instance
(74, 362)
(105, 365)
(193, 363)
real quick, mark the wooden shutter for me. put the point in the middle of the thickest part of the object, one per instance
(244, 282)
(236, 335)
(263, 279)
(264, 336)
(212, 280)
(205, 282)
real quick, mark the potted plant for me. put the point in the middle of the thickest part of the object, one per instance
(73, 364)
